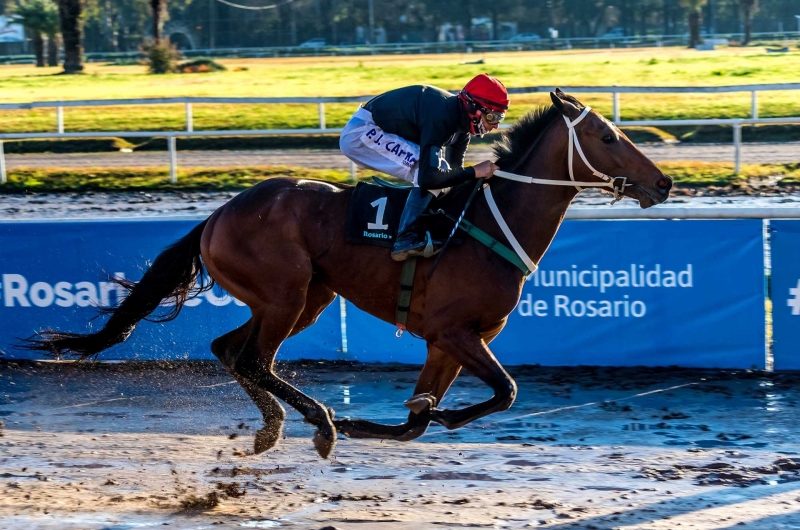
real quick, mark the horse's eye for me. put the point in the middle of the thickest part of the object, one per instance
(608, 139)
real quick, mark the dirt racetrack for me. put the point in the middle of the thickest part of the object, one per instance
(752, 153)
(125, 446)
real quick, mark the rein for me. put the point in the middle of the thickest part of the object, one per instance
(616, 184)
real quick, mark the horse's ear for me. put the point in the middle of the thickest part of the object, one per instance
(564, 106)
(559, 104)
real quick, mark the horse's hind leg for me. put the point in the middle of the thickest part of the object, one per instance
(437, 375)
(271, 325)
(318, 297)
(228, 348)
(264, 261)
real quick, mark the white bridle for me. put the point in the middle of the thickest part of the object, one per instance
(617, 186)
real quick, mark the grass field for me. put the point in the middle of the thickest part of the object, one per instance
(686, 174)
(340, 76)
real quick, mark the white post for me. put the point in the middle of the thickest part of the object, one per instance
(754, 105)
(769, 360)
(737, 148)
(616, 106)
(353, 171)
(173, 161)
(3, 178)
(343, 322)
(189, 118)
(322, 115)
(60, 119)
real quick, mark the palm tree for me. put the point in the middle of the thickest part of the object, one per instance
(39, 17)
(748, 8)
(157, 7)
(52, 43)
(71, 14)
(693, 8)
(52, 28)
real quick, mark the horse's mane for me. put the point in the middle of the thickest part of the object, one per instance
(516, 142)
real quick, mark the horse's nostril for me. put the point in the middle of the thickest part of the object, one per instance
(664, 183)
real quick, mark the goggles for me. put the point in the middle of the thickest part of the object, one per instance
(493, 116)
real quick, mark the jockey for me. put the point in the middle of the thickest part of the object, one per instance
(404, 133)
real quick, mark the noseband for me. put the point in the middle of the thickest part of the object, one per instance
(616, 184)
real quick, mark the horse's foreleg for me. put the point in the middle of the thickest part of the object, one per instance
(467, 348)
(228, 348)
(437, 375)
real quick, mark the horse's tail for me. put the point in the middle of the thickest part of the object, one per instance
(171, 277)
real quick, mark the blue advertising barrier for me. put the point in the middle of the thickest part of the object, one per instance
(52, 276)
(607, 293)
(625, 293)
(785, 289)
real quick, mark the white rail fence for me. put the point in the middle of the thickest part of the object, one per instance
(189, 132)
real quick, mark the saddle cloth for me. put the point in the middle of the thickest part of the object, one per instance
(373, 216)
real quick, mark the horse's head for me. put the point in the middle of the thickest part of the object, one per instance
(606, 150)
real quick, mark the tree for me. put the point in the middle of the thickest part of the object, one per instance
(749, 7)
(695, 17)
(116, 25)
(52, 45)
(157, 7)
(71, 14)
(40, 18)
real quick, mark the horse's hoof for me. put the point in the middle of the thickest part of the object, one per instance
(420, 403)
(323, 444)
(266, 439)
(269, 434)
(440, 416)
(346, 428)
(341, 428)
(331, 412)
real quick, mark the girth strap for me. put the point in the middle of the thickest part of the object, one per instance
(404, 297)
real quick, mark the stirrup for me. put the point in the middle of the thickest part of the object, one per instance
(428, 251)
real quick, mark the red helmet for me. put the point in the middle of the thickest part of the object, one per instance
(482, 95)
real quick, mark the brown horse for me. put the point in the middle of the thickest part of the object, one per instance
(280, 248)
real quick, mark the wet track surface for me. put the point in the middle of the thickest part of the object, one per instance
(84, 205)
(121, 446)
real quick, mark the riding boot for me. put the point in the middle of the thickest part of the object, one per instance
(409, 242)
